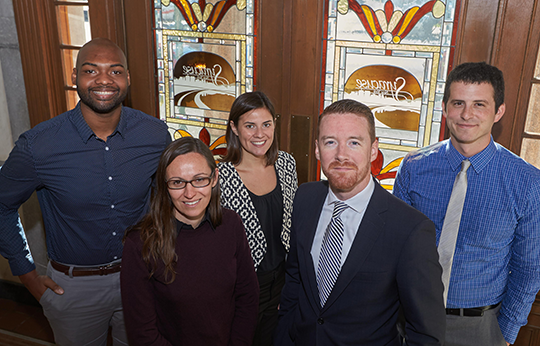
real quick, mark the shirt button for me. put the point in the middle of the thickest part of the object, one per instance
(113, 233)
(320, 321)
(112, 206)
(115, 257)
(110, 178)
(106, 148)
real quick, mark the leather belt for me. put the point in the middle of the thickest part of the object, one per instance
(471, 311)
(87, 271)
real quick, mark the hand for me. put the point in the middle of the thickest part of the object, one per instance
(38, 284)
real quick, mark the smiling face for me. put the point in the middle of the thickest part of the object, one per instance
(255, 132)
(470, 114)
(345, 150)
(190, 203)
(101, 77)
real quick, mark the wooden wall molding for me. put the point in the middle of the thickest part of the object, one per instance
(41, 60)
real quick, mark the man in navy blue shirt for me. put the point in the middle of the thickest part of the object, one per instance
(92, 168)
(494, 273)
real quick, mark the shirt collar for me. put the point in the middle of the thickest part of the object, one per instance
(86, 132)
(359, 201)
(206, 218)
(478, 161)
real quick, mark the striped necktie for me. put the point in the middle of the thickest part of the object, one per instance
(330, 256)
(452, 219)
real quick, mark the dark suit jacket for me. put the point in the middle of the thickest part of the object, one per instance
(392, 264)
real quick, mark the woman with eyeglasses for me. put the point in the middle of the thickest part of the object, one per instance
(259, 182)
(187, 275)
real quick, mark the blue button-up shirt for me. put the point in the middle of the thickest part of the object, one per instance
(497, 257)
(89, 190)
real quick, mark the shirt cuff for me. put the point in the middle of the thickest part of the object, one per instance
(509, 329)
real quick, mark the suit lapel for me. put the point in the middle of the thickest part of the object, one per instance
(310, 227)
(368, 232)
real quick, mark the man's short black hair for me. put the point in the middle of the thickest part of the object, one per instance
(477, 73)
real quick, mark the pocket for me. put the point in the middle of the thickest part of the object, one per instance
(45, 298)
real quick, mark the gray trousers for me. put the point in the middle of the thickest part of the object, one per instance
(474, 330)
(83, 314)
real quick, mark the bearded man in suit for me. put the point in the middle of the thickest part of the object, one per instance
(365, 255)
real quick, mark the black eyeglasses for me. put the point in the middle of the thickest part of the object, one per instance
(179, 184)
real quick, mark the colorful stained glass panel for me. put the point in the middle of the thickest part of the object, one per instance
(392, 55)
(205, 59)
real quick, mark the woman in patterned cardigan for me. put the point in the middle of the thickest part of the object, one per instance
(259, 182)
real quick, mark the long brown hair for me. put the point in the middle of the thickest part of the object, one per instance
(158, 227)
(243, 104)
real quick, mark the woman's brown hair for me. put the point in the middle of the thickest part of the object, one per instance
(243, 104)
(158, 227)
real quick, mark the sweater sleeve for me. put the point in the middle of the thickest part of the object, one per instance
(138, 297)
(246, 291)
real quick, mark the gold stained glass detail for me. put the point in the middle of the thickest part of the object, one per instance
(166, 2)
(431, 104)
(241, 4)
(343, 6)
(196, 123)
(529, 151)
(438, 9)
(395, 147)
(532, 124)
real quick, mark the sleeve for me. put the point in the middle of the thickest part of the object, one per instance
(18, 180)
(289, 294)
(420, 287)
(524, 268)
(402, 181)
(246, 291)
(138, 299)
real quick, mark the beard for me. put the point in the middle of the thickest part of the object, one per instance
(102, 107)
(346, 181)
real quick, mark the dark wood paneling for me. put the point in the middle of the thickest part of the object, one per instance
(301, 144)
(269, 63)
(477, 22)
(138, 16)
(509, 55)
(107, 20)
(529, 64)
(305, 72)
(41, 60)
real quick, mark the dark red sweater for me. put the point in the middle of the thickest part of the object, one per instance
(213, 300)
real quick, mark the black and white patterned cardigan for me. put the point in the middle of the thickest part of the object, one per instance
(235, 196)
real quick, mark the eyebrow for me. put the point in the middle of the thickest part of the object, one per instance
(95, 65)
(460, 100)
(351, 137)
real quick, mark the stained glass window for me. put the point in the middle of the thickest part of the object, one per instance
(392, 56)
(205, 59)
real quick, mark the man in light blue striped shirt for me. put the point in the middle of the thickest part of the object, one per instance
(495, 274)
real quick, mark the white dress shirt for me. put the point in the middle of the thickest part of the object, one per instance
(351, 217)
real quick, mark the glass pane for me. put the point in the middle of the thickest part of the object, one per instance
(71, 98)
(69, 57)
(530, 151)
(532, 124)
(209, 48)
(73, 25)
(395, 59)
